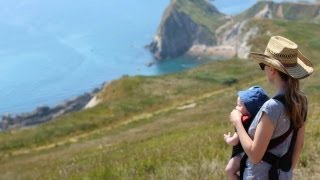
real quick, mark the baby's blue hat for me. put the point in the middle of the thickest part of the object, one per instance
(253, 99)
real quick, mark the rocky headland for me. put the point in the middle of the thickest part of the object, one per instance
(181, 28)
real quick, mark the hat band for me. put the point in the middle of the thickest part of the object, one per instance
(290, 59)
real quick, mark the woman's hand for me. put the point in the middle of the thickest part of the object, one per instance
(235, 117)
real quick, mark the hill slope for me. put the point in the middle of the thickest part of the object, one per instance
(306, 12)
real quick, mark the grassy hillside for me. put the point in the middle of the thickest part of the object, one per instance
(162, 127)
(201, 12)
(303, 12)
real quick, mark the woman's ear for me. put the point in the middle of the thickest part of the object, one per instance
(273, 70)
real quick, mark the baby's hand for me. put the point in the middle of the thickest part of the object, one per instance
(227, 137)
(231, 140)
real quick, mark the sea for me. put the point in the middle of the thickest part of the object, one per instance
(51, 51)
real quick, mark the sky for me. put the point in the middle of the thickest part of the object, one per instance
(233, 7)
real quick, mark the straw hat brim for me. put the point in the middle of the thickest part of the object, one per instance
(301, 70)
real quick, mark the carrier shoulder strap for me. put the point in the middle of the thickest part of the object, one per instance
(278, 140)
(284, 162)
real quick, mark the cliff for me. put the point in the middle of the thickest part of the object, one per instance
(185, 23)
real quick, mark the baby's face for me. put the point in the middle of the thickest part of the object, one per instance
(241, 107)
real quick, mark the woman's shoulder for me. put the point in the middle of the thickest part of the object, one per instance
(273, 103)
(273, 108)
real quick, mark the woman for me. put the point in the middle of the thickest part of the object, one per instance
(283, 65)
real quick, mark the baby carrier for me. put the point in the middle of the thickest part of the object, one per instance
(277, 163)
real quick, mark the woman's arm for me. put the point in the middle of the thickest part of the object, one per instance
(298, 146)
(255, 148)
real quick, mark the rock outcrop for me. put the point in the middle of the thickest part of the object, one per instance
(237, 36)
(265, 13)
(179, 30)
(177, 35)
(45, 113)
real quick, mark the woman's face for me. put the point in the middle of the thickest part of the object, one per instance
(273, 77)
(269, 73)
(241, 107)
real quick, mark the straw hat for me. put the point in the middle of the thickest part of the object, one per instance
(284, 55)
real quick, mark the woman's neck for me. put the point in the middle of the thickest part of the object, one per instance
(279, 85)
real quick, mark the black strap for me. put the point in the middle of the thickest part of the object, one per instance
(281, 98)
(277, 141)
(284, 162)
(243, 165)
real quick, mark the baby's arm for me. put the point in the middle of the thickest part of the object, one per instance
(232, 140)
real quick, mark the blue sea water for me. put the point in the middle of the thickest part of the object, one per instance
(51, 51)
(54, 50)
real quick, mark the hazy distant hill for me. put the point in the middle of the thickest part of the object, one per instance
(306, 12)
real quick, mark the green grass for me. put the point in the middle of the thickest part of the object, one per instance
(291, 11)
(137, 132)
(201, 12)
(122, 99)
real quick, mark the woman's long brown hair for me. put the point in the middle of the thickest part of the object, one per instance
(296, 101)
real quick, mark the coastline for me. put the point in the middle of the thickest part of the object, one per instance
(42, 114)
(45, 113)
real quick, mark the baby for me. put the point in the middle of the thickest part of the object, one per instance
(248, 103)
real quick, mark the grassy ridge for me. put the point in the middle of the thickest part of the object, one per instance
(202, 13)
(290, 11)
(139, 133)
